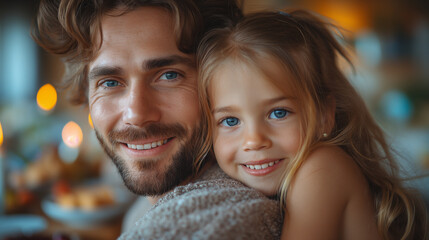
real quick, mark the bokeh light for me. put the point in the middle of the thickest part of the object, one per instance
(72, 134)
(47, 97)
(67, 154)
(90, 121)
(352, 16)
(396, 106)
(1, 135)
(368, 47)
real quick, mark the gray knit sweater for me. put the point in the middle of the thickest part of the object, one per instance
(214, 206)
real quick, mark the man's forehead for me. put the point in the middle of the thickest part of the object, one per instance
(146, 33)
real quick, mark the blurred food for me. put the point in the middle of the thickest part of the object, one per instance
(49, 168)
(86, 205)
(61, 187)
(25, 197)
(20, 199)
(86, 198)
(41, 171)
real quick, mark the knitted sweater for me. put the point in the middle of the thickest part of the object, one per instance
(214, 206)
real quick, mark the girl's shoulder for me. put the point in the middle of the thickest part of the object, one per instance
(329, 178)
(329, 195)
(333, 165)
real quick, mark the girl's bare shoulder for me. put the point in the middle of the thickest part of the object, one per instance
(328, 176)
(331, 165)
(320, 195)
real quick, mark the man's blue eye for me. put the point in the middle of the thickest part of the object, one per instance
(230, 122)
(111, 83)
(169, 76)
(278, 113)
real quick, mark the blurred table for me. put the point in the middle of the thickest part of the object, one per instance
(108, 230)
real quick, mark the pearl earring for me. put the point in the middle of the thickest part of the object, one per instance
(325, 135)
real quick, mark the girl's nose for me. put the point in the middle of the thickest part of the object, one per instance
(256, 139)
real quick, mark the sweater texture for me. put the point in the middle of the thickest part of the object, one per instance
(213, 206)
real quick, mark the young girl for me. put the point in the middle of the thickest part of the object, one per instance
(284, 119)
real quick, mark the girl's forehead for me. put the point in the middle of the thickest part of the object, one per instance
(264, 66)
(267, 67)
(243, 71)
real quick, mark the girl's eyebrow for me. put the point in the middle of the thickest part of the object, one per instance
(268, 101)
(276, 99)
(224, 109)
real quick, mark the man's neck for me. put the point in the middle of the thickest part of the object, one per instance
(154, 199)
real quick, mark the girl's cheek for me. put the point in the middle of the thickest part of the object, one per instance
(225, 149)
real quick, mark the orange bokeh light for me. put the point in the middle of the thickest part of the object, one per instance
(1, 135)
(352, 16)
(72, 134)
(90, 121)
(47, 97)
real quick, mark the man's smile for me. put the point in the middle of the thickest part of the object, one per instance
(147, 146)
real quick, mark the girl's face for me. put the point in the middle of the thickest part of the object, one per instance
(256, 125)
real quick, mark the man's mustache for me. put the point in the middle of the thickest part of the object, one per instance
(154, 130)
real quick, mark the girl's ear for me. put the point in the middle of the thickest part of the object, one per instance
(330, 115)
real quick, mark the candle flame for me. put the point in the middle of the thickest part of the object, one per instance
(72, 134)
(47, 97)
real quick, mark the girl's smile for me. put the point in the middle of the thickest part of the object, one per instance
(261, 168)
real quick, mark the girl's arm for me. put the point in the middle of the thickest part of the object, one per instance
(319, 196)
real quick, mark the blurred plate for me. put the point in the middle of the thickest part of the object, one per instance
(21, 224)
(83, 218)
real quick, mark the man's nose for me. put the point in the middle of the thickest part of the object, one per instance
(255, 138)
(141, 107)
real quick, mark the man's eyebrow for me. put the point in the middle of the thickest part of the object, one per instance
(167, 61)
(147, 65)
(104, 71)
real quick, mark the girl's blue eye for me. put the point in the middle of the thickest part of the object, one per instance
(169, 76)
(110, 83)
(278, 114)
(230, 121)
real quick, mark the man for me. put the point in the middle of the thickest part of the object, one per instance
(133, 63)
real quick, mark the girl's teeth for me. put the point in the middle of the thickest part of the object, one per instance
(263, 166)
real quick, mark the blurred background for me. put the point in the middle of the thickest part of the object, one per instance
(47, 146)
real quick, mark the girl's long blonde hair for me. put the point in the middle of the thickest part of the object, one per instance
(307, 50)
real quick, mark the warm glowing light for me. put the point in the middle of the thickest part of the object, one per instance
(1, 135)
(47, 97)
(350, 15)
(72, 134)
(90, 121)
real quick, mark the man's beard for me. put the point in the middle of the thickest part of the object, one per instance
(159, 181)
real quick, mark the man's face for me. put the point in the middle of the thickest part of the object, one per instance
(143, 100)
